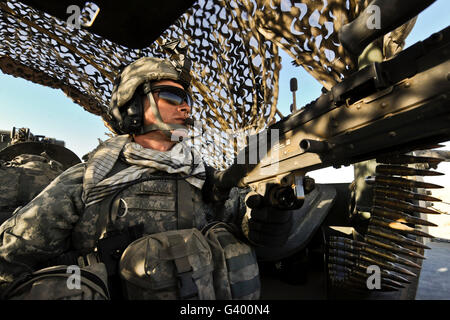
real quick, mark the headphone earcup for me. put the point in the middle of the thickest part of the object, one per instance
(132, 115)
(114, 120)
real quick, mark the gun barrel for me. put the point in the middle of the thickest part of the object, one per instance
(314, 146)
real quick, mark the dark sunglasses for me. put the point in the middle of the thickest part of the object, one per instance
(174, 95)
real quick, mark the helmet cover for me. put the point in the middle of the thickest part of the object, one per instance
(144, 71)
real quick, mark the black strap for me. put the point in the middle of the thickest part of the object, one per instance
(117, 240)
(105, 219)
(184, 201)
(185, 205)
(186, 285)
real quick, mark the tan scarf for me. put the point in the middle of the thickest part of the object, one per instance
(181, 159)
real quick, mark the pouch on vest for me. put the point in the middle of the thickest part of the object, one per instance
(23, 178)
(62, 283)
(236, 272)
(175, 264)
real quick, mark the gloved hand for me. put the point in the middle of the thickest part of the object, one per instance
(211, 193)
(266, 225)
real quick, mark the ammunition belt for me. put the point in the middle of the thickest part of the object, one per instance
(392, 238)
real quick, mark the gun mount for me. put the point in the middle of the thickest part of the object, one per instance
(375, 111)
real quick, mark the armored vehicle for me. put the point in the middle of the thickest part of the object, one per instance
(28, 163)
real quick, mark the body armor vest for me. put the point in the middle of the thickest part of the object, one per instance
(170, 211)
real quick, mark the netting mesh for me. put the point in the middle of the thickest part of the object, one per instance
(233, 45)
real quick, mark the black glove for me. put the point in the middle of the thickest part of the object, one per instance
(267, 225)
(210, 192)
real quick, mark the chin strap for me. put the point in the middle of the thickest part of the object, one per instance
(175, 132)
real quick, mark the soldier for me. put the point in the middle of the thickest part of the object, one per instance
(139, 183)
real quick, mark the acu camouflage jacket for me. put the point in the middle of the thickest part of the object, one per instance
(56, 220)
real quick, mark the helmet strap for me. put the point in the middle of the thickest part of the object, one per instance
(160, 125)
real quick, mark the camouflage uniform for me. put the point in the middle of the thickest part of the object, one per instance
(57, 221)
(68, 215)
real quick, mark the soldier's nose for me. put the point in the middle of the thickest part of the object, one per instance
(184, 108)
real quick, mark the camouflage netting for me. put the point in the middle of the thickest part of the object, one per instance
(234, 46)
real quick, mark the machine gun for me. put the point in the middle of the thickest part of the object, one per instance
(397, 105)
(380, 112)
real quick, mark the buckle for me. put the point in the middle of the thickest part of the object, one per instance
(186, 285)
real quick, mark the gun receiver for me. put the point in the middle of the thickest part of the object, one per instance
(396, 105)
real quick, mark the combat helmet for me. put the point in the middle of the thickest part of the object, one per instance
(126, 108)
